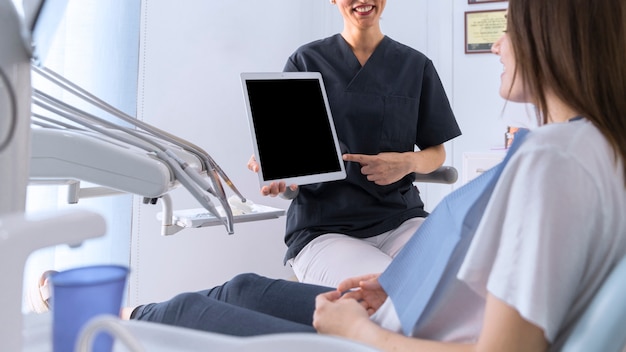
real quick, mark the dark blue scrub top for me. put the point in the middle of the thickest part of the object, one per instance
(393, 103)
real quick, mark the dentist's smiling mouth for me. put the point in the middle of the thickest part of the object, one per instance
(363, 10)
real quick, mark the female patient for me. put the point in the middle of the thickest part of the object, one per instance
(552, 230)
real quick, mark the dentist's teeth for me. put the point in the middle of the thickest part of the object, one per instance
(364, 9)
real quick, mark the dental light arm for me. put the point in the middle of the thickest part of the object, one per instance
(210, 164)
(188, 176)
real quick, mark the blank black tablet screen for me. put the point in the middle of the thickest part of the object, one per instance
(292, 128)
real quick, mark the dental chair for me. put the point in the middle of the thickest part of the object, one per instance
(140, 336)
(602, 326)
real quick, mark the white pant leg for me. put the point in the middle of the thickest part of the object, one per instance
(332, 258)
(392, 242)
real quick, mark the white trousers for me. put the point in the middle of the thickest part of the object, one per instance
(332, 258)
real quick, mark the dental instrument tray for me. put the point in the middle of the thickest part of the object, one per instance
(242, 212)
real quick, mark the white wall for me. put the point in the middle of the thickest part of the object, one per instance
(191, 56)
(95, 47)
(481, 112)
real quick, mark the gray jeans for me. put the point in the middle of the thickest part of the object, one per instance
(247, 305)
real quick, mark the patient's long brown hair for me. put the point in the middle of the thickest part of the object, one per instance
(577, 50)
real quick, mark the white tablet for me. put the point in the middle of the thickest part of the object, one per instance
(292, 128)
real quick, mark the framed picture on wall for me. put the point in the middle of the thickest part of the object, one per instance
(481, 1)
(482, 29)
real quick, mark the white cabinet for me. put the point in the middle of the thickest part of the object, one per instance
(475, 163)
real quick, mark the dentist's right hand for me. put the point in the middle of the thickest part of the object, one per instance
(273, 189)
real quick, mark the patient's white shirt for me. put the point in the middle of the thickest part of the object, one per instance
(553, 229)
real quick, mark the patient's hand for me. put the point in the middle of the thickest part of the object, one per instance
(336, 315)
(366, 290)
(273, 189)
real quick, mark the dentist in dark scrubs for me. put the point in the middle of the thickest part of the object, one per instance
(392, 117)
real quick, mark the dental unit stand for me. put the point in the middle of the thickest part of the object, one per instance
(20, 236)
(15, 100)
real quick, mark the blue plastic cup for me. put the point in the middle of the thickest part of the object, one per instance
(81, 294)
